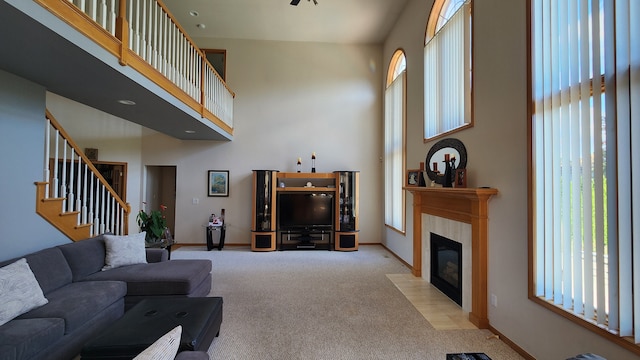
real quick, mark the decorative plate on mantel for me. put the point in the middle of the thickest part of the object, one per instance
(449, 147)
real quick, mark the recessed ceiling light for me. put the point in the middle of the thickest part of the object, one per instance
(201, 26)
(126, 102)
(193, 13)
(190, 131)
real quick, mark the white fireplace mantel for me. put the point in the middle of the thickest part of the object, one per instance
(468, 205)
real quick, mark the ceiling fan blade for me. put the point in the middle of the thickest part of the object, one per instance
(295, 2)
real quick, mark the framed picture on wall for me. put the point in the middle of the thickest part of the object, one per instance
(412, 177)
(218, 183)
(91, 153)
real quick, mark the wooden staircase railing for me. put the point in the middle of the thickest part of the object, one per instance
(144, 35)
(73, 196)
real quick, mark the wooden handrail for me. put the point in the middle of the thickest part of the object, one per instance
(55, 124)
(118, 45)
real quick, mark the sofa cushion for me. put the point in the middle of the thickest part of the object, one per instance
(19, 291)
(165, 348)
(50, 268)
(27, 337)
(79, 302)
(173, 277)
(124, 250)
(85, 257)
(7, 352)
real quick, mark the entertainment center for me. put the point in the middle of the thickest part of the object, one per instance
(305, 210)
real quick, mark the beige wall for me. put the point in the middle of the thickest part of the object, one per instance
(292, 99)
(497, 157)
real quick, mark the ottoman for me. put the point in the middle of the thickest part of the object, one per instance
(147, 321)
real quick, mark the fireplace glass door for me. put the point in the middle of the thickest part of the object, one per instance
(446, 266)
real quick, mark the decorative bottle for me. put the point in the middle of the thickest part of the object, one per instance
(446, 182)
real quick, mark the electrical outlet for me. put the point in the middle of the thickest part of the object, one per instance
(494, 300)
(196, 201)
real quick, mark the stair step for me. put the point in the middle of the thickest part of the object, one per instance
(70, 213)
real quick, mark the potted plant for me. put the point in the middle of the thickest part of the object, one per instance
(154, 223)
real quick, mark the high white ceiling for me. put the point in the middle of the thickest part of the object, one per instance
(331, 21)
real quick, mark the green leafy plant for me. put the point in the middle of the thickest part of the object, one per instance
(153, 223)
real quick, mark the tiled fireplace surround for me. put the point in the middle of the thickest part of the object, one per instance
(453, 230)
(461, 215)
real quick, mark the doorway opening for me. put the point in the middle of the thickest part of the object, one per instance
(160, 189)
(115, 173)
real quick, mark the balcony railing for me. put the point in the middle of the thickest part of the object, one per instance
(145, 36)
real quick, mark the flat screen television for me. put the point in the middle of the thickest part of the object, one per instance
(300, 211)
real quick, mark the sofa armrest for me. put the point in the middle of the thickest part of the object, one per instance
(155, 255)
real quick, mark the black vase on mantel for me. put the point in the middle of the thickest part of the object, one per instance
(446, 182)
(449, 173)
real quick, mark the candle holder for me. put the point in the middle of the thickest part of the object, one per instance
(313, 162)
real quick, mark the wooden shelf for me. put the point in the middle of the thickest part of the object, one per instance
(304, 188)
(297, 175)
(322, 182)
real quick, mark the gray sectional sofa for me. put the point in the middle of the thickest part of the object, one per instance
(83, 300)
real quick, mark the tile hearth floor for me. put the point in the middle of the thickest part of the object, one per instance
(440, 311)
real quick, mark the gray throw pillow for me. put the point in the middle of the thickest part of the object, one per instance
(124, 250)
(20, 291)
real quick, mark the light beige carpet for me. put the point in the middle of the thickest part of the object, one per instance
(317, 304)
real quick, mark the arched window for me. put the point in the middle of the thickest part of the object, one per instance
(447, 68)
(394, 115)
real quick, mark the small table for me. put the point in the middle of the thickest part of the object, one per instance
(150, 319)
(162, 244)
(210, 229)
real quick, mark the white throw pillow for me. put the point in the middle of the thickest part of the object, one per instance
(20, 292)
(124, 250)
(164, 348)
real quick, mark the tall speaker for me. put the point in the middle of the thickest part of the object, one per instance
(263, 223)
(347, 210)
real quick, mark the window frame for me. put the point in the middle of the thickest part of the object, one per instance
(433, 26)
(607, 82)
(397, 59)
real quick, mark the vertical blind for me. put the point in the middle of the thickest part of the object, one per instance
(394, 178)
(586, 159)
(447, 75)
